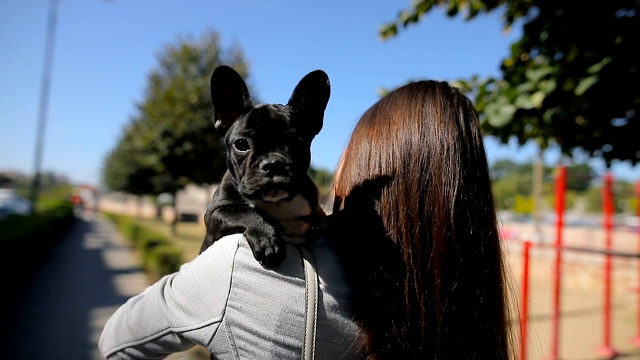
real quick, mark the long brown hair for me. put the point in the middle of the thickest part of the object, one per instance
(414, 193)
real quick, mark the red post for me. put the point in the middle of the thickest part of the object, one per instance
(524, 316)
(607, 203)
(636, 339)
(560, 189)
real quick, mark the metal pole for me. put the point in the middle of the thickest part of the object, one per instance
(561, 181)
(524, 316)
(538, 179)
(607, 203)
(44, 99)
(636, 339)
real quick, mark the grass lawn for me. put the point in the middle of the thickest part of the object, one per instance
(188, 239)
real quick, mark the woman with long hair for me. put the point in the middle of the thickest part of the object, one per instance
(415, 224)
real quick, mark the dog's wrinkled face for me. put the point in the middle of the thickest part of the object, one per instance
(266, 152)
(268, 145)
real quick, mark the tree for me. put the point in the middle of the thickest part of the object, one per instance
(172, 141)
(571, 79)
(125, 168)
(511, 180)
(321, 177)
(177, 113)
(128, 167)
(579, 177)
(503, 167)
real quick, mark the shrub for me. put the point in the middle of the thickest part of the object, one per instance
(37, 233)
(127, 226)
(163, 259)
(26, 241)
(146, 244)
(159, 256)
(148, 241)
(130, 229)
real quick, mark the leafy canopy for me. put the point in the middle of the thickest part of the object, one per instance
(571, 79)
(171, 141)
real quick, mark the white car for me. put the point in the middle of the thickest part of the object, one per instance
(12, 203)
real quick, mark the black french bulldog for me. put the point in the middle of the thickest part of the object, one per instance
(266, 193)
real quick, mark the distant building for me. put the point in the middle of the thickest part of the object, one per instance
(192, 201)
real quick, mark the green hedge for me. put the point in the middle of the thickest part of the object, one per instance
(26, 241)
(159, 256)
(163, 259)
(36, 234)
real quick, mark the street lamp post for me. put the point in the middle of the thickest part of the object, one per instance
(44, 99)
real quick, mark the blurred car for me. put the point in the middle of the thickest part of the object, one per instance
(12, 203)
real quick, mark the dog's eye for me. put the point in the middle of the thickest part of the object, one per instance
(241, 145)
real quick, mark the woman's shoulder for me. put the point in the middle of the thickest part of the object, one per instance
(227, 245)
(222, 252)
(234, 252)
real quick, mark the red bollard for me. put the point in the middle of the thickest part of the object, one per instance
(560, 189)
(607, 203)
(524, 315)
(636, 339)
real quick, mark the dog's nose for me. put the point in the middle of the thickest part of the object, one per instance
(274, 167)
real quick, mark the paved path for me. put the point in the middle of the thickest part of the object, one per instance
(89, 274)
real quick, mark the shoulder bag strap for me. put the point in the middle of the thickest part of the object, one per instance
(311, 303)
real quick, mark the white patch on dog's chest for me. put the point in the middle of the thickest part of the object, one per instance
(288, 213)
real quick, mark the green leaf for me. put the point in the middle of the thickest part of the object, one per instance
(585, 84)
(537, 74)
(547, 86)
(537, 98)
(596, 68)
(388, 31)
(407, 17)
(524, 101)
(499, 115)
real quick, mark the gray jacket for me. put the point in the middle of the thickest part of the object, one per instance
(225, 301)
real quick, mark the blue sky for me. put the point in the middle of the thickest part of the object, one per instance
(104, 51)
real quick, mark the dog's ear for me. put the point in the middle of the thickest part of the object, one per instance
(229, 95)
(310, 98)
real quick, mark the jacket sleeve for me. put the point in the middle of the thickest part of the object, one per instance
(180, 310)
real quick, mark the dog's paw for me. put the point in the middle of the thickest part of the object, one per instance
(267, 246)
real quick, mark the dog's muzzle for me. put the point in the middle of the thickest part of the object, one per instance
(271, 179)
(276, 172)
(267, 188)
